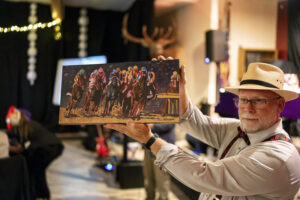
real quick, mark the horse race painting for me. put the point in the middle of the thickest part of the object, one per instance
(142, 92)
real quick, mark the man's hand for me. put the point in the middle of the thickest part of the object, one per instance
(139, 132)
(16, 148)
(183, 94)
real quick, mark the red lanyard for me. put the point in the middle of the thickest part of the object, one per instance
(241, 134)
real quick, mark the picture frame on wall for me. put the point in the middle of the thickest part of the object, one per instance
(249, 55)
(142, 92)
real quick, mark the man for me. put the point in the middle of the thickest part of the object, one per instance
(255, 160)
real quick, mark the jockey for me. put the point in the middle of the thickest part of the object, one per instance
(128, 76)
(123, 77)
(175, 76)
(135, 71)
(173, 87)
(133, 74)
(79, 79)
(101, 75)
(142, 72)
(93, 79)
(114, 78)
(151, 77)
(119, 72)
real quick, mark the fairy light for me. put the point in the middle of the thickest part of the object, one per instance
(57, 34)
(83, 22)
(32, 50)
(38, 25)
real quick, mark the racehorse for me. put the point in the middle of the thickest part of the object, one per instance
(94, 93)
(127, 99)
(77, 91)
(74, 99)
(111, 93)
(140, 93)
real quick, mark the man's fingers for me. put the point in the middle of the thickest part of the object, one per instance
(161, 57)
(154, 59)
(118, 127)
(182, 74)
(170, 58)
(150, 125)
(135, 126)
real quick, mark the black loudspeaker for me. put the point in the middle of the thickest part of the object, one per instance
(130, 174)
(216, 45)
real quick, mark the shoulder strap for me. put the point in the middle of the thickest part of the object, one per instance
(278, 137)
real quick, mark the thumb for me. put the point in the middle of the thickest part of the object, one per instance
(182, 75)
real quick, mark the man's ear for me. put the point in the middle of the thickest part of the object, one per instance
(281, 104)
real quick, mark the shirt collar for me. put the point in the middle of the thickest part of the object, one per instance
(260, 136)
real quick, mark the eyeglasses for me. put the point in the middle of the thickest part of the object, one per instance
(256, 103)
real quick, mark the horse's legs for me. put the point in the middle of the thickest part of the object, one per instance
(85, 101)
(70, 103)
(75, 105)
(112, 102)
(134, 109)
(126, 106)
(106, 106)
(91, 107)
(70, 106)
(140, 107)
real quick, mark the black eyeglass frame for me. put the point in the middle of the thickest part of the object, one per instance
(253, 102)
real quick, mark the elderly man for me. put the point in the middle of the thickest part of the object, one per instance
(255, 157)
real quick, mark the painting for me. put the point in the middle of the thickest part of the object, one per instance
(142, 92)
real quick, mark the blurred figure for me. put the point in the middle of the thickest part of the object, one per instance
(4, 145)
(155, 179)
(39, 146)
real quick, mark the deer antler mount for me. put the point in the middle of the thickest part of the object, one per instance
(157, 42)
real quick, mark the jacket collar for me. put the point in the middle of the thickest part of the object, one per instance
(260, 136)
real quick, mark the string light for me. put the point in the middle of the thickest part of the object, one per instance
(30, 27)
(57, 34)
(83, 22)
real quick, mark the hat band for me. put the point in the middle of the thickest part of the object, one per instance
(258, 82)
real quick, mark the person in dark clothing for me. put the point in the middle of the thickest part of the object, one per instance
(156, 180)
(39, 146)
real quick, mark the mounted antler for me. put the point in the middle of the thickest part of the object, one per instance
(156, 43)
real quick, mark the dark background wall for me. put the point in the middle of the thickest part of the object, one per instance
(104, 37)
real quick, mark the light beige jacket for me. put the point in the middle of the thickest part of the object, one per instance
(263, 170)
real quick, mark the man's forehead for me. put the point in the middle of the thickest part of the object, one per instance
(257, 93)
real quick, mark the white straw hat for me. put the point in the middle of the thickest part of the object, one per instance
(262, 76)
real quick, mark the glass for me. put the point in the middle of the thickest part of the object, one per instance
(256, 103)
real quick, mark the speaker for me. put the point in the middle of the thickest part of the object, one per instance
(130, 174)
(216, 45)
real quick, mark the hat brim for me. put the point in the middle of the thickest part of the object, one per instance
(286, 94)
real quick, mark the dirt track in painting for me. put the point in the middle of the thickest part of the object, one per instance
(79, 117)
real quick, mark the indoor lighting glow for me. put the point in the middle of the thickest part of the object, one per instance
(222, 90)
(35, 26)
(207, 60)
(109, 167)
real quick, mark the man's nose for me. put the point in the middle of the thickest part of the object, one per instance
(249, 106)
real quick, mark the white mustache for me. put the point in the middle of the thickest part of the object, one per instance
(249, 116)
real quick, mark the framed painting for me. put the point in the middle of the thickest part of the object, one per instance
(249, 55)
(142, 92)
